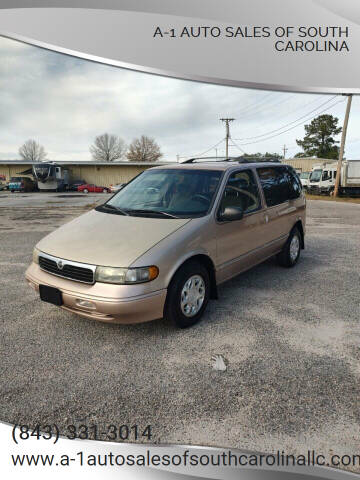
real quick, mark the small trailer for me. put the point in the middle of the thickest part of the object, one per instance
(51, 176)
(323, 176)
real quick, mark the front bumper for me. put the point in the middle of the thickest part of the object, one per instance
(313, 190)
(110, 303)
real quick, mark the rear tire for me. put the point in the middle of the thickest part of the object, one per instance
(188, 295)
(105, 190)
(290, 254)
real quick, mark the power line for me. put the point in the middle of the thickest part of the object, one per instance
(291, 128)
(290, 123)
(208, 150)
(260, 102)
(236, 145)
(265, 106)
(319, 97)
(268, 133)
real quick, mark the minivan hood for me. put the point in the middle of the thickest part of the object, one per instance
(106, 239)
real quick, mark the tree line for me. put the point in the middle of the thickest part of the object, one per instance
(106, 148)
(318, 142)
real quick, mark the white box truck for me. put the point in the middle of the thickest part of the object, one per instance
(323, 176)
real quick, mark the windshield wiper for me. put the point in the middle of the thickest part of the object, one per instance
(151, 212)
(117, 209)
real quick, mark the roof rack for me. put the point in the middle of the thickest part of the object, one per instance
(211, 159)
(258, 160)
(234, 159)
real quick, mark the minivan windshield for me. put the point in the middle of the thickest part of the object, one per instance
(167, 193)
(304, 175)
(315, 176)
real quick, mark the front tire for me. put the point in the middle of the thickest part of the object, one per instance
(290, 254)
(188, 295)
(85, 190)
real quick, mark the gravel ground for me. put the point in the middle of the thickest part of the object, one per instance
(290, 338)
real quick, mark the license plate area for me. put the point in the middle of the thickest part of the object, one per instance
(50, 295)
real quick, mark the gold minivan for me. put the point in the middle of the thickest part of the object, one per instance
(162, 244)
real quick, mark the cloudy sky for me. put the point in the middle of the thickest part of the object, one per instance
(64, 102)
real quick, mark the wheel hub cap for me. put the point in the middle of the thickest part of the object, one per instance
(192, 296)
(294, 247)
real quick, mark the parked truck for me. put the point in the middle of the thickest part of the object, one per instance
(21, 184)
(304, 179)
(51, 176)
(323, 176)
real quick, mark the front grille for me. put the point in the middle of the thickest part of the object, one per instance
(73, 272)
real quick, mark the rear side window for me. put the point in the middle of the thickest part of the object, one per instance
(279, 184)
(295, 186)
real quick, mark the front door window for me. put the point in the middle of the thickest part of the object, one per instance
(241, 191)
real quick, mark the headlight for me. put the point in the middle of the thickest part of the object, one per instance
(36, 256)
(126, 275)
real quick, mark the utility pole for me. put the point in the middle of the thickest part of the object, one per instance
(342, 145)
(216, 151)
(227, 122)
(285, 150)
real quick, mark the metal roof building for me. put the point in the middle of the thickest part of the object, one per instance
(111, 173)
(305, 164)
(100, 173)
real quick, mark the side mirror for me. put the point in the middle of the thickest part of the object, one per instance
(229, 214)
